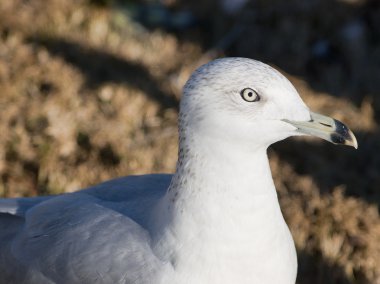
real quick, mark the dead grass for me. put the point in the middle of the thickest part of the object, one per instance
(87, 95)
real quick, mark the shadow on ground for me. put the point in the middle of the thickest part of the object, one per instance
(331, 165)
(313, 269)
(99, 67)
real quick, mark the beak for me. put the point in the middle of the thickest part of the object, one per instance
(326, 128)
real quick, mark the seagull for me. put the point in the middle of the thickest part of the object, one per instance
(217, 219)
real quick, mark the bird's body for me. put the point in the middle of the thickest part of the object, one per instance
(104, 235)
(216, 220)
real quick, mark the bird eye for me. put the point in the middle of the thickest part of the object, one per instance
(249, 95)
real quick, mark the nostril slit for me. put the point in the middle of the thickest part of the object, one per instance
(328, 125)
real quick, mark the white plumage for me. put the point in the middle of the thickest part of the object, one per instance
(216, 220)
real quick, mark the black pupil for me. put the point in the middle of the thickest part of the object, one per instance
(250, 94)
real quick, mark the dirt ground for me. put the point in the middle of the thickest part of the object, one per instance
(89, 91)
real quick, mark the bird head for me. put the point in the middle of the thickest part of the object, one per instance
(248, 102)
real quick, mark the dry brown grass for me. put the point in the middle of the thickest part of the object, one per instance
(88, 95)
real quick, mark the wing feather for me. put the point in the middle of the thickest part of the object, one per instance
(97, 235)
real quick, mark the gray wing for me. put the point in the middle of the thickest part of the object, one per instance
(97, 235)
(18, 206)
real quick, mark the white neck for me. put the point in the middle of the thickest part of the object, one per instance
(221, 211)
(219, 174)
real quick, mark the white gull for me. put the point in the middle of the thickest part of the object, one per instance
(216, 220)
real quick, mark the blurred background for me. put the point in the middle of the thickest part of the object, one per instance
(89, 91)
